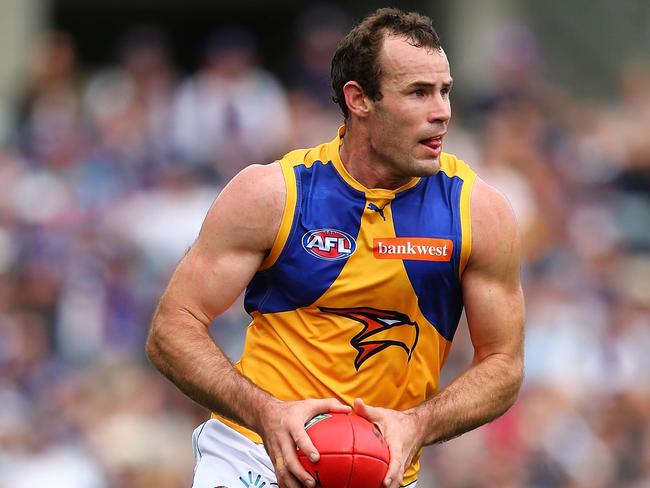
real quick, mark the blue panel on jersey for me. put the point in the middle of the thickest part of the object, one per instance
(299, 277)
(431, 209)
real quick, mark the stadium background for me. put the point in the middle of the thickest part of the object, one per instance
(119, 123)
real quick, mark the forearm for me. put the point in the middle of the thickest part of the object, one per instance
(480, 395)
(181, 348)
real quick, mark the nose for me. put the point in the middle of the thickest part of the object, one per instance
(440, 110)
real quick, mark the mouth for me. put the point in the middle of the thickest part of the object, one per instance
(434, 143)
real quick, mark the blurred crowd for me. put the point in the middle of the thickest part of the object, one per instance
(106, 174)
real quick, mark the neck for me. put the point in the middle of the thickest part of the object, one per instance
(360, 160)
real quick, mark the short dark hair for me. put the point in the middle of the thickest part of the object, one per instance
(357, 56)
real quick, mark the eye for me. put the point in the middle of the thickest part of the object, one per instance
(419, 93)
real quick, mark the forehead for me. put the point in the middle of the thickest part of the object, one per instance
(401, 62)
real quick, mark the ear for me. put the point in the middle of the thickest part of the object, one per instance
(356, 99)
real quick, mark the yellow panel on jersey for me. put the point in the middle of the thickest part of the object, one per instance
(287, 215)
(364, 297)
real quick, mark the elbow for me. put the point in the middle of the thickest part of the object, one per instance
(518, 372)
(509, 369)
(515, 379)
(152, 345)
(511, 376)
(151, 350)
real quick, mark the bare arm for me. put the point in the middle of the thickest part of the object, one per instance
(238, 230)
(495, 314)
(494, 307)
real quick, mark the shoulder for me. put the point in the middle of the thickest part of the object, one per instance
(495, 237)
(257, 183)
(249, 208)
(489, 204)
(452, 166)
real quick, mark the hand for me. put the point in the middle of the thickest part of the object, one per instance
(401, 432)
(283, 429)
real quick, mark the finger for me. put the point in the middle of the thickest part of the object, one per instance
(294, 471)
(304, 443)
(279, 467)
(283, 474)
(373, 414)
(278, 457)
(393, 475)
(360, 408)
(395, 470)
(329, 405)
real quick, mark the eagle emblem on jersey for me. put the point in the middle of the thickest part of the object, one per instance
(381, 329)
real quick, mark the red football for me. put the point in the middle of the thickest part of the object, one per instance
(353, 453)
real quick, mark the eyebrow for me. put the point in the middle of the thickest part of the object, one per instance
(427, 84)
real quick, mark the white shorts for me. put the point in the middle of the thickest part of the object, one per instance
(224, 457)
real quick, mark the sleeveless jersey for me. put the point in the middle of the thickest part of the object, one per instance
(360, 294)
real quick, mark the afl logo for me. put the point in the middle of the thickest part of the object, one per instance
(329, 244)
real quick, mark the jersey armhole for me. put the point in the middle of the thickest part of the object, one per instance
(287, 215)
(469, 177)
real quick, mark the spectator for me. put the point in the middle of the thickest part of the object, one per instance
(232, 112)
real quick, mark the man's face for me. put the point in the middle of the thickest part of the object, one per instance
(408, 124)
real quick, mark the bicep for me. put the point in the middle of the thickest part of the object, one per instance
(207, 282)
(231, 246)
(495, 315)
(491, 283)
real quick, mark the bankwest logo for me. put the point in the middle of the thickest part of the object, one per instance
(418, 248)
(330, 244)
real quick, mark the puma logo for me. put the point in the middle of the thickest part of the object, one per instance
(375, 208)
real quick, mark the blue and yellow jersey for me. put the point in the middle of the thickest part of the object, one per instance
(360, 294)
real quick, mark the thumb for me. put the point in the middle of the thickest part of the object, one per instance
(330, 405)
(363, 410)
(371, 414)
